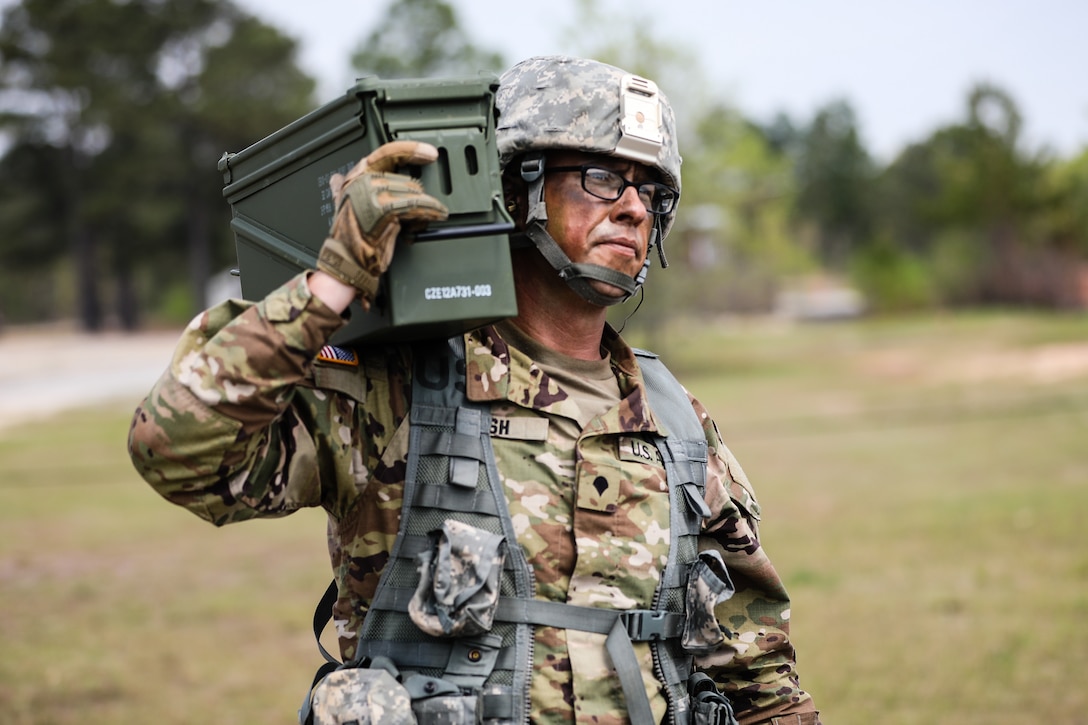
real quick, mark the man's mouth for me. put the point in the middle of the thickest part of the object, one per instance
(622, 247)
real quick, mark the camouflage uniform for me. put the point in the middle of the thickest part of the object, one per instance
(244, 424)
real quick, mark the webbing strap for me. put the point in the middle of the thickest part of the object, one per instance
(456, 445)
(689, 464)
(579, 275)
(431, 654)
(453, 498)
(322, 614)
(684, 452)
(622, 627)
(464, 469)
(639, 625)
(619, 648)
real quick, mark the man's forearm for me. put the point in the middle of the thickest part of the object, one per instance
(336, 295)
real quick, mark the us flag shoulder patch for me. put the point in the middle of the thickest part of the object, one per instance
(338, 355)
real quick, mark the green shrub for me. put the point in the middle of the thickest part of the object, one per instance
(892, 279)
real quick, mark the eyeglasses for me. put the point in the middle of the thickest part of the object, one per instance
(608, 185)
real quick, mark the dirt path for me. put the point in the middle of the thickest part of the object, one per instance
(46, 370)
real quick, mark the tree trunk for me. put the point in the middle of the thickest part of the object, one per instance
(127, 308)
(199, 250)
(87, 282)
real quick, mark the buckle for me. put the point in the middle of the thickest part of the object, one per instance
(644, 625)
(532, 167)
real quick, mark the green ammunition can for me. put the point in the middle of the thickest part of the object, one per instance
(453, 276)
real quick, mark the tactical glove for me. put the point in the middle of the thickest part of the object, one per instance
(372, 204)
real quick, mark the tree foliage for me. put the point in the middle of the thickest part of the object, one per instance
(1065, 198)
(421, 39)
(124, 108)
(971, 200)
(834, 176)
(115, 114)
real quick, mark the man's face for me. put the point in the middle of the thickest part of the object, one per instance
(613, 234)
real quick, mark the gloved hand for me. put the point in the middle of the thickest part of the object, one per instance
(372, 203)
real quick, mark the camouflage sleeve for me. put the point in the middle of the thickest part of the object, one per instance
(223, 432)
(756, 665)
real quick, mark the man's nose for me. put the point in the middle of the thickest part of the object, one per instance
(630, 205)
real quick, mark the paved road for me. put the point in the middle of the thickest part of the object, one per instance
(47, 370)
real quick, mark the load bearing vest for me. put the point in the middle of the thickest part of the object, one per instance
(452, 476)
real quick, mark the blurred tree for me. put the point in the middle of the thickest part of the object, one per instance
(126, 103)
(628, 40)
(1065, 222)
(834, 177)
(421, 39)
(738, 171)
(733, 243)
(69, 80)
(30, 226)
(986, 180)
(783, 134)
(1061, 223)
(968, 195)
(246, 86)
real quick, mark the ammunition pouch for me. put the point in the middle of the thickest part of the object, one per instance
(440, 702)
(362, 696)
(376, 695)
(708, 585)
(458, 589)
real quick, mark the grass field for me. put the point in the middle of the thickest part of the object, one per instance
(924, 485)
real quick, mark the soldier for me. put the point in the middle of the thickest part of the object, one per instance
(529, 522)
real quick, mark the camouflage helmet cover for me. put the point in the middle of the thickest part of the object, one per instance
(558, 102)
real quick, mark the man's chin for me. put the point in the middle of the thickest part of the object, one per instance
(608, 290)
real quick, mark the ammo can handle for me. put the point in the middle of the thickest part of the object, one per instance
(468, 230)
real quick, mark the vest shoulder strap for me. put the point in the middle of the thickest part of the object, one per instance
(668, 398)
(682, 440)
(683, 447)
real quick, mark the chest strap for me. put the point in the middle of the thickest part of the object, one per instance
(638, 625)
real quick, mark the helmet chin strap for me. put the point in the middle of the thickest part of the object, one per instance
(578, 276)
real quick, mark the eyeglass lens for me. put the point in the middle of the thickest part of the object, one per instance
(608, 185)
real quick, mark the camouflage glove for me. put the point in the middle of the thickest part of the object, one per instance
(372, 203)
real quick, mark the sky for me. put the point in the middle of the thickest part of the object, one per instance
(906, 67)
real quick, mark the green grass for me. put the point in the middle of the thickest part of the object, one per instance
(119, 608)
(927, 513)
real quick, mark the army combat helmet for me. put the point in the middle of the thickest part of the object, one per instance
(556, 102)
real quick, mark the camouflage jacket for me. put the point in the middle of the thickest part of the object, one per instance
(245, 424)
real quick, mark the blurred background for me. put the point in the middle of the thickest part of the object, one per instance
(878, 284)
(886, 159)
